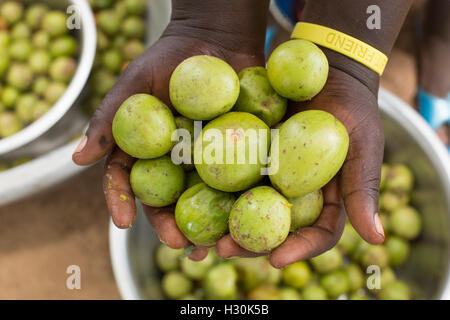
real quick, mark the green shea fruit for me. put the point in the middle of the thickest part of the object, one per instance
(35, 14)
(175, 285)
(39, 61)
(314, 292)
(40, 108)
(132, 49)
(135, 7)
(258, 97)
(20, 50)
(41, 39)
(109, 22)
(399, 178)
(133, 27)
(275, 275)
(103, 41)
(396, 290)
(63, 46)
(103, 4)
(4, 63)
(157, 182)
(202, 214)
(203, 87)
(9, 124)
(143, 126)
(375, 255)
(335, 283)
(40, 85)
(384, 170)
(328, 261)
(20, 31)
(398, 250)
(406, 223)
(25, 107)
(358, 295)
(349, 239)
(252, 272)
(289, 294)
(220, 282)
(385, 221)
(389, 201)
(305, 209)
(260, 219)
(119, 43)
(168, 259)
(5, 40)
(112, 60)
(197, 270)
(297, 275)
(297, 70)
(356, 277)
(54, 91)
(242, 142)
(102, 81)
(11, 11)
(310, 149)
(19, 76)
(387, 276)
(264, 292)
(192, 178)
(54, 22)
(62, 69)
(9, 96)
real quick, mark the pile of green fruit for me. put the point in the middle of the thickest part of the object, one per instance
(38, 58)
(341, 272)
(121, 34)
(234, 151)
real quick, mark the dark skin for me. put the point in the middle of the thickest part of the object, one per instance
(233, 30)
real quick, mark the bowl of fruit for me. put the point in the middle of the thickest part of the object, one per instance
(47, 52)
(231, 162)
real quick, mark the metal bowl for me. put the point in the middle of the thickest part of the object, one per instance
(409, 140)
(34, 136)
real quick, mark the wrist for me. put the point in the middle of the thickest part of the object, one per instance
(235, 25)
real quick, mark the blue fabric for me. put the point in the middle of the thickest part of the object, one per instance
(270, 35)
(286, 7)
(435, 110)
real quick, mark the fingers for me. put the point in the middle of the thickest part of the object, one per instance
(309, 242)
(228, 248)
(117, 189)
(99, 140)
(360, 179)
(199, 253)
(163, 222)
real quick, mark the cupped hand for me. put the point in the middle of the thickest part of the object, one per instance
(356, 184)
(149, 73)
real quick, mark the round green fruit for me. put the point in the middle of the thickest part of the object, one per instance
(175, 285)
(221, 282)
(398, 250)
(356, 277)
(202, 214)
(196, 270)
(9, 124)
(297, 275)
(314, 292)
(62, 69)
(143, 126)
(328, 261)
(335, 283)
(157, 182)
(264, 292)
(310, 149)
(19, 76)
(25, 107)
(63, 46)
(260, 219)
(242, 141)
(258, 97)
(168, 259)
(349, 239)
(54, 91)
(297, 70)
(54, 22)
(39, 61)
(203, 87)
(34, 15)
(306, 209)
(11, 11)
(290, 294)
(375, 255)
(399, 178)
(406, 223)
(396, 290)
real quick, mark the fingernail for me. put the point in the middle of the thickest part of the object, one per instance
(378, 224)
(81, 145)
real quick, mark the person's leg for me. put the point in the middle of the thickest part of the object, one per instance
(435, 54)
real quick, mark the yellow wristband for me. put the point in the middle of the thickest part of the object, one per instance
(342, 43)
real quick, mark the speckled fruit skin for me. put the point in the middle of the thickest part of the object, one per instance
(235, 176)
(312, 147)
(143, 126)
(297, 70)
(202, 214)
(260, 219)
(306, 209)
(258, 97)
(157, 182)
(203, 87)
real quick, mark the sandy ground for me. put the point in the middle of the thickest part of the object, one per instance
(68, 225)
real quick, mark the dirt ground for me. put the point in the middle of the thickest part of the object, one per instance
(68, 225)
